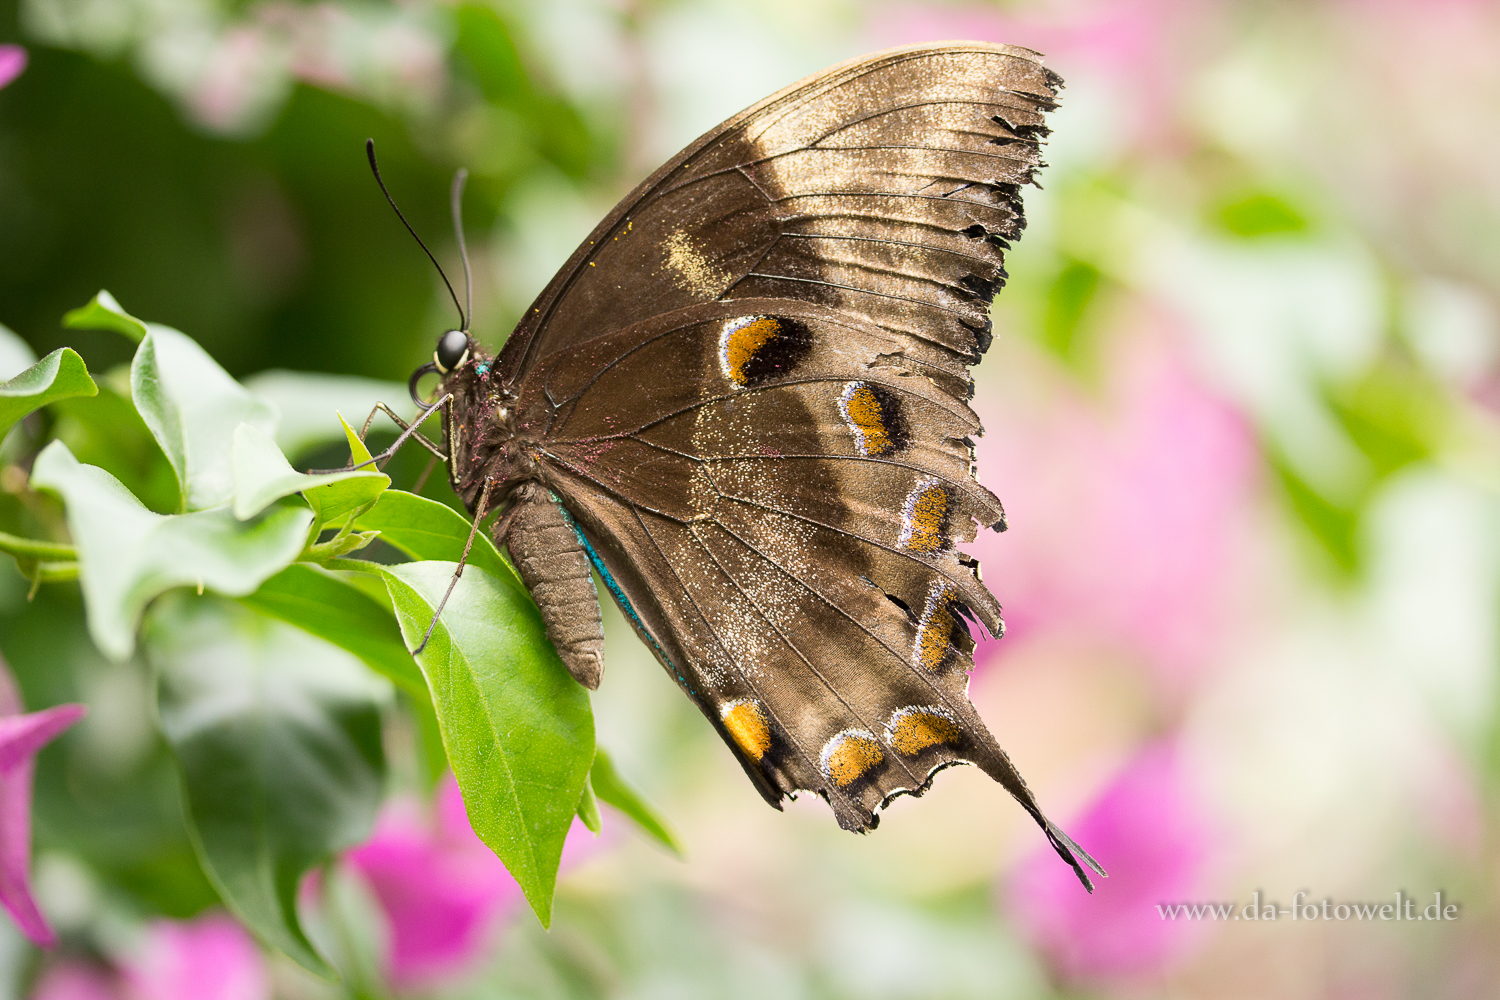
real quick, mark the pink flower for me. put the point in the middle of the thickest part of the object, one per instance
(74, 980)
(210, 958)
(1132, 51)
(441, 889)
(12, 63)
(1125, 518)
(1150, 833)
(21, 736)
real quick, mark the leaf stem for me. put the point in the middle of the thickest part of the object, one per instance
(30, 548)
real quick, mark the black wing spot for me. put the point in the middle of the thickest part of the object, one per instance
(755, 350)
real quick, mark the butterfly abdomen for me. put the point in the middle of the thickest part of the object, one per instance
(552, 562)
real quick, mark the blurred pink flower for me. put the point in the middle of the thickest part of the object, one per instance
(442, 890)
(1151, 834)
(12, 63)
(74, 980)
(209, 958)
(21, 736)
(1129, 49)
(242, 67)
(1125, 518)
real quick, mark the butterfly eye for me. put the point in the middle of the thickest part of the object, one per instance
(452, 350)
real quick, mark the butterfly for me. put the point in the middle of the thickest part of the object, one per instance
(743, 402)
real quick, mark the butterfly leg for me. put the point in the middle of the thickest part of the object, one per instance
(463, 560)
(408, 431)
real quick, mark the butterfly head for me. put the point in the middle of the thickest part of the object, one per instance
(452, 351)
(455, 355)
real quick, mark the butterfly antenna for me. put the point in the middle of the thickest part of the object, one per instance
(457, 199)
(375, 168)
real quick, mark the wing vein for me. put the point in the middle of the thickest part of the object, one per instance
(853, 713)
(900, 657)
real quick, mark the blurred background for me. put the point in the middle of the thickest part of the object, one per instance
(1243, 408)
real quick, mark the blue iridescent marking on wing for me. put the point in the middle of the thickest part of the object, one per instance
(617, 593)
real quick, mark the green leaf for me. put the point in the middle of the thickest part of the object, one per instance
(192, 407)
(611, 788)
(262, 476)
(1334, 527)
(307, 401)
(1261, 214)
(588, 809)
(518, 729)
(15, 354)
(278, 738)
(426, 529)
(128, 555)
(357, 451)
(59, 375)
(105, 430)
(335, 611)
(1069, 299)
(104, 313)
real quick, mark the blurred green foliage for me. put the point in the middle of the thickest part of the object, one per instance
(1260, 214)
(276, 249)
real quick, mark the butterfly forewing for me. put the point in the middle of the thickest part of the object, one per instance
(749, 388)
(746, 211)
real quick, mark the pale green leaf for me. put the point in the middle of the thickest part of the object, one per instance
(59, 375)
(262, 476)
(192, 407)
(308, 400)
(104, 313)
(128, 555)
(15, 354)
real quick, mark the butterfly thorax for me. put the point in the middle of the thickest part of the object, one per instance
(485, 438)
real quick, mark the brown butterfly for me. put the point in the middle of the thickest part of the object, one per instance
(743, 401)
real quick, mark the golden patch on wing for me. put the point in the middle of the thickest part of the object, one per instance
(754, 350)
(741, 341)
(692, 271)
(849, 756)
(924, 517)
(866, 418)
(933, 649)
(915, 728)
(747, 725)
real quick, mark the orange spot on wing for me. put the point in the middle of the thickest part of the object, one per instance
(865, 418)
(934, 645)
(924, 518)
(849, 756)
(913, 730)
(748, 726)
(741, 343)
